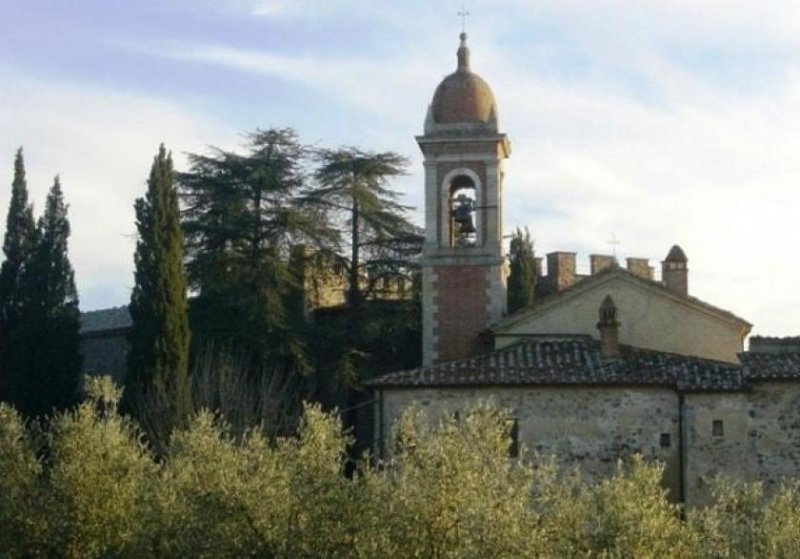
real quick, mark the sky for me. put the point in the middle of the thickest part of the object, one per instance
(651, 122)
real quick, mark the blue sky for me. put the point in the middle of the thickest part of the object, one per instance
(660, 122)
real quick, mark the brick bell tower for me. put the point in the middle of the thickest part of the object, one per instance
(463, 280)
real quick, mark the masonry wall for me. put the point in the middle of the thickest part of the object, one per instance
(759, 440)
(461, 310)
(105, 355)
(585, 427)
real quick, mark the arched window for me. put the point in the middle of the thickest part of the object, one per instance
(462, 198)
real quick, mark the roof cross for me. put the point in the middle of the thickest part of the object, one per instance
(463, 13)
(614, 242)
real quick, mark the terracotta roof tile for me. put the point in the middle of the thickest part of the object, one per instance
(771, 366)
(573, 360)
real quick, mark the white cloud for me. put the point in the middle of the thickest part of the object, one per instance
(689, 161)
(102, 143)
(711, 169)
(732, 22)
(372, 85)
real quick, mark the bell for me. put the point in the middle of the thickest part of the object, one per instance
(463, 216)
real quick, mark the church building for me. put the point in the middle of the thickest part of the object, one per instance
(603, 365)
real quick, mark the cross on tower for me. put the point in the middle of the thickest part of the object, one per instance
(463, 14)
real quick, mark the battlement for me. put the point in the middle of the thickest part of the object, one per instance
(562, 271)
(774, 345)
(323, 280)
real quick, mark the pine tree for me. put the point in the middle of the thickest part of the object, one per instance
(51, 321)
(159, 352)
(522, 279)
(379, 235)
(241, 220)
(378, 243)
(17, 247)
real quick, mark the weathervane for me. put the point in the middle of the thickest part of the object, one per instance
(463, 13)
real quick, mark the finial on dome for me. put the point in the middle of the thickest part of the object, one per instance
(463, 54)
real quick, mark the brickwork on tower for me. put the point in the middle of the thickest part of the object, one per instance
(462, 310)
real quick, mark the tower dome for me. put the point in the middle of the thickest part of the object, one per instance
(463, 96)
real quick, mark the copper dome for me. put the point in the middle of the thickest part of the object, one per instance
(463, 96)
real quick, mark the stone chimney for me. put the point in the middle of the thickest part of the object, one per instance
(599, 262)
(675, 272)
(640, 267)
(561, 270)
(609, 329)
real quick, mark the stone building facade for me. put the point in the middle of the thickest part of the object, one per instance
(700, 417)
(104, 342)
(604, 365)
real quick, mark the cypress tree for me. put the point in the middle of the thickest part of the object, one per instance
(159, 351)
(17, 247)
(522, 279)
(50, 324)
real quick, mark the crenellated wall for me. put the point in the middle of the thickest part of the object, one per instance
(562, 270)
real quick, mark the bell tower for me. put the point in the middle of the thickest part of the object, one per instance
(463, 282)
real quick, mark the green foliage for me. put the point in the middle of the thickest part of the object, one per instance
(370, 334)
(522, 279)
(51, 321)
(352, 191)
(241, 218)
(354, 346)
(83, 485)
(454, 491)
(39, 316)
(21, 516)
(225, 381)
(745, 523)
(158, 360)
(18, 246)
(224, 499)
(99, 481)
(631, 515)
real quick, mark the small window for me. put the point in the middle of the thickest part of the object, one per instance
(665, 440)
(717, 429)
(513, 434)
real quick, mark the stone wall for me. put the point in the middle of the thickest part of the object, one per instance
(748, 436)
(105, 355)
(756, 438)
(778, 346)
(585, 427)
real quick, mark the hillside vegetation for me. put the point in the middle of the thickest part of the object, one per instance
(84, 484)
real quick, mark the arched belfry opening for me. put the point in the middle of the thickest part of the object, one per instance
(463, 205)
(463, 284)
